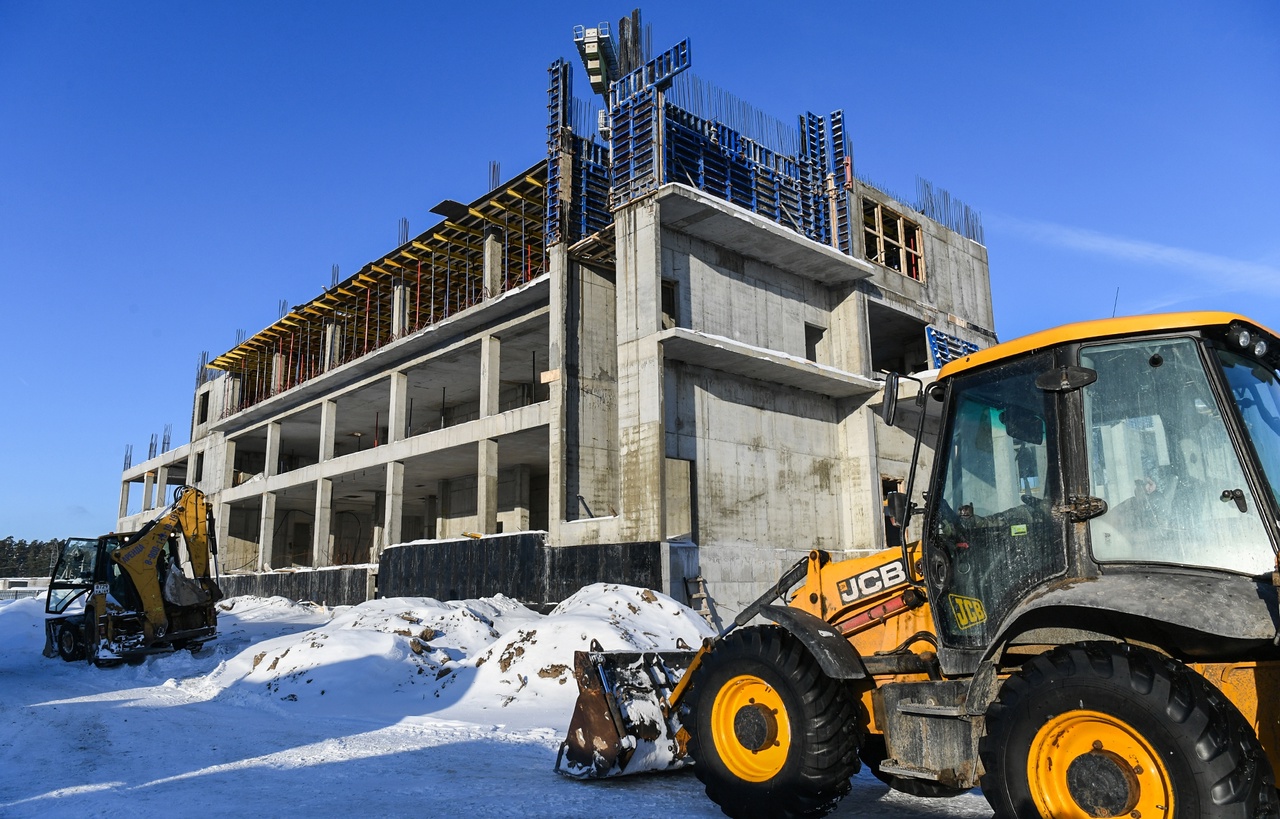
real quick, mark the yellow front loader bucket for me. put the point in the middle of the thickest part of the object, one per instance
(624, 722)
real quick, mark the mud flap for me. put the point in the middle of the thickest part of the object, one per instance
(49, 650)
(623, 722)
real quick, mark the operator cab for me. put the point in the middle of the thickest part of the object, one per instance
(1144, 448)
(84, 562)
(73, 575)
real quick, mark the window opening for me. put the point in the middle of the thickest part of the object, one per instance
(892, 240)
(670, 317)
(812, 339)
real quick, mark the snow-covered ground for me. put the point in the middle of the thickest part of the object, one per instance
(400, 707)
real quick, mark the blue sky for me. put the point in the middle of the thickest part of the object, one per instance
(170, 171)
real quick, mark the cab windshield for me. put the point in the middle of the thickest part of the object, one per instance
(73, 574)
(1257, 395)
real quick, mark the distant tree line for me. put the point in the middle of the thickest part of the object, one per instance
(23, 558)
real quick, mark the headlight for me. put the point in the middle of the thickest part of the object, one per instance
(1260, 348)
(1240, 336)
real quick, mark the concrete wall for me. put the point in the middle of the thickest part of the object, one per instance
(724, 293)
(768, 471)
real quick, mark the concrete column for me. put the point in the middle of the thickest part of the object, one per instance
(521, 479)
(328, 429)
(490, 358)
(376, 520)
(641, 441)
(399, 308)
(272, 465)
(487, 487)
(393, 508)
(162, 487)
(442, 509)
(277, 373)
(148, 491)
(560, 268)
(222, 519)
(399, 403)
(329, 347)
(322, 541)
(191, 467)
(494, 275)
(228, 465)
(266, 531)
(861, 512)
(124, 498)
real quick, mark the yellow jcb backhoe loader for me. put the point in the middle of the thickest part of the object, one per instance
(142, 593)
(1086, 625)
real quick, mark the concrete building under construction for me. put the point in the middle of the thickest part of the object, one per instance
(665, 335)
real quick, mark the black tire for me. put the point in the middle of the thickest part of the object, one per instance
(1108, 729)
(767, 693)
(70, 642)
(872, 751)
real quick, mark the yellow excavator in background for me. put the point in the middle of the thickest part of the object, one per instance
(1086, 624)
(142, 593)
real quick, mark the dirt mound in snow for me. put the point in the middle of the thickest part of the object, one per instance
(532, 666)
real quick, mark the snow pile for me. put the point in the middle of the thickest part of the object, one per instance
(403, 658)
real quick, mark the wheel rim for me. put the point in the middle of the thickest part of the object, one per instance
(752, 732)
(66, 640)
(1086, 764)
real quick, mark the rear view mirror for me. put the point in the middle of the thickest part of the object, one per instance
(896, 506)
(889, 408)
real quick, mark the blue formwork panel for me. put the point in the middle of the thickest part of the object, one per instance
(634, 146)
(842, 165)
(591, 189)
(944, 347)
(657, 73)
(559, 90)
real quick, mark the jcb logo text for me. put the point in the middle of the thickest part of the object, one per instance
(968, 611)
(872, 581)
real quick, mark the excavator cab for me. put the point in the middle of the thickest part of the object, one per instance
(73, 575)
